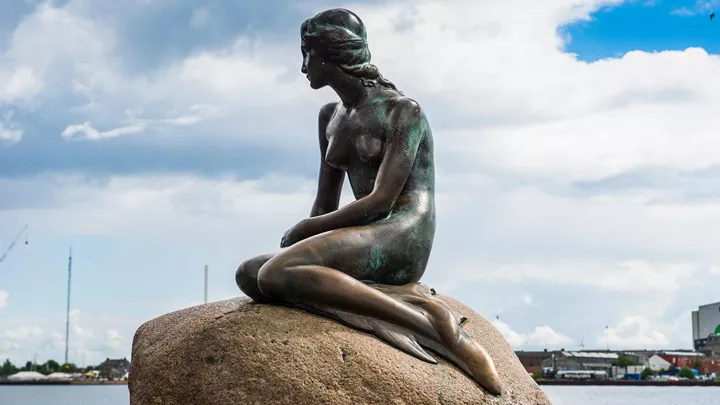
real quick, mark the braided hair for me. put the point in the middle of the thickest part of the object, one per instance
(338, 36)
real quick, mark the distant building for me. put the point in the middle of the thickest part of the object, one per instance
(705, 324)
(697, 361)
(533, 361)
(569, 361)
(640, 357)
(658, 363)
(115, 368)
(712, 346)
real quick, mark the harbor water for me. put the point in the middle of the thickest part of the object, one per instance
(559, 395)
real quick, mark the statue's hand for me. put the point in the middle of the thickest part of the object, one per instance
(295, 234)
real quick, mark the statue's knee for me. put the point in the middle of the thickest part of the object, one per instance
(246, 278)
(266, 280)
(241, 275)
(276, 278)
(271, 278)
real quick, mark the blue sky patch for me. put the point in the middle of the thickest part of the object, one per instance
(645, 26)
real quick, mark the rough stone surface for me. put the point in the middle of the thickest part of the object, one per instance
(240, 352)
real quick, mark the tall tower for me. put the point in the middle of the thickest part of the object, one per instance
(206, 282)
(67, 314)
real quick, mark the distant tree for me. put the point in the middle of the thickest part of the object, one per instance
(646, 373)
(51, 366)
(8, 368)
(538, 375)
(685, 372)
(624, 360)
(29, 366)
(69, 368)
(698, 363)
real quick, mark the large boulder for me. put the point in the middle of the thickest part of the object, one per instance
(240, 352)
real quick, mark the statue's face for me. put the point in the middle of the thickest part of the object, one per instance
(314, 67)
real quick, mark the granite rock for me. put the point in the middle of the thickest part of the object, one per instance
(240, 352)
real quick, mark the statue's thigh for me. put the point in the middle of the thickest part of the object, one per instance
(366, 253)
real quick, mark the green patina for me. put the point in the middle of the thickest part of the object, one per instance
(377, 257)
(380, 107)
(414, 136)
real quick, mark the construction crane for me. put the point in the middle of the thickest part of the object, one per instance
(12, 244)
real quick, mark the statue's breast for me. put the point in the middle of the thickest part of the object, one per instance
(369, 148)
(337, 154)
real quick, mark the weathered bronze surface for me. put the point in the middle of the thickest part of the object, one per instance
(361, 263)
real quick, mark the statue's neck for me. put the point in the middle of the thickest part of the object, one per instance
(351, 90)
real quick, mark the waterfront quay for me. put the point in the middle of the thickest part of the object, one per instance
(627, 367)
(625, 383)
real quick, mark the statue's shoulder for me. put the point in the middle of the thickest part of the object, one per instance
(328, 109)
(403, 106)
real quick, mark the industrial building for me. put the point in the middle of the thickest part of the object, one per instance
(698, 361)
(602, 364)
(712, 346)
(705, 324)
(575, 361)
(533, 360)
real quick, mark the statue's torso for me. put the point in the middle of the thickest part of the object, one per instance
(356, 144)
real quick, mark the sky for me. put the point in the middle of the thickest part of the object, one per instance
(578, 173)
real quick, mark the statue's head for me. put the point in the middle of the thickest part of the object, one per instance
(334, 42)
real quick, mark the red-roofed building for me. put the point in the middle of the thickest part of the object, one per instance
(707, 364)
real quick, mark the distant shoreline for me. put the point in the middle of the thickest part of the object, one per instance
(631, 383)
(78, 382)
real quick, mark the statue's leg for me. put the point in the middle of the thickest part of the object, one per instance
(322, 274)
(246, 276)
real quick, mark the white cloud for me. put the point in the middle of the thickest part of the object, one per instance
(683, 12)
(135, 124)
(86, 131)
(7, 345)
(514, 338)
(707, 5)
(114, 340)
(82, 332)
(624, 276)
(3, 299)
(77, 323)
(56, 340)
(704, 7)
(51, 46)
(20, 85)
(23, 333)
(528, 299)
(9, 134)
(540, 336)
(545, 335)
(634, 332)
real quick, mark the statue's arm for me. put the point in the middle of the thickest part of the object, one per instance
(401, 147)
(330, 179)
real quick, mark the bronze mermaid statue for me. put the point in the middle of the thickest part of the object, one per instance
(361, 263)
